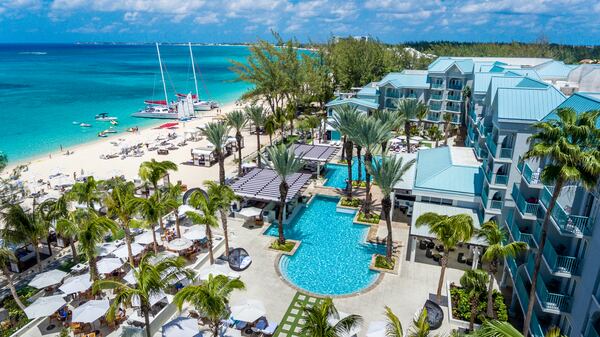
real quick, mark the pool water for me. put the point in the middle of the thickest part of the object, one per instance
(336, 174)
(333, 258)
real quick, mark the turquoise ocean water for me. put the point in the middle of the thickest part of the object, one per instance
(44, 88)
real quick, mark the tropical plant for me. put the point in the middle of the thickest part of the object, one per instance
(466, 95)
(6, 256)
(421, 115)
(284, 163)
(409, 109)
(435, 134)
(312, 122)
(496, 252)
(345, 119)
(86, 192)
(152, 171)
(393, 326)
(319, 319)
(420, 325)
(120, 204)
(447, 117)
(152, 278)
(474, 282)
(223, 197)
(256, 114)
(55, 209)
(211, 298)
(370, 133)
(392, 119)
(569, 147)
(174, 194)
(270, 128)
(207, 205)
(152, 210)
(3, 161)
(68, 227)
(24, 227)
(216, 134)
(238, 120)
(280, 118)
(494, 328)
(290, 116)
(387, 173)
(449, 230)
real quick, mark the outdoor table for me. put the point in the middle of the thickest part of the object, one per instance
(80, 267)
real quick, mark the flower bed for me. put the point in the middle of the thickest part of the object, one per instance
(461, 305)
(374, 219)
(355, 202)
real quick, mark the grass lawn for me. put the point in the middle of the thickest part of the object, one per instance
(293, 320)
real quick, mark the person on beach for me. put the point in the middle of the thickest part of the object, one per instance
(61, 149)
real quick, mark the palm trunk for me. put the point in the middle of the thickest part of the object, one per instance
(221, 168)
(444, 263)
(38, 258)
(177, 222)
(386, 205)
(358, 156)
(145, 309)
(11, 286)
(345, 142)
(538, 256)
(259, 164)
(407, 132)
(225, 234)
(210, 244)
(216, 329)
(270, 141)
(155, 243)
(283, 189)
(238, 139)
(490, 292)
(348, 146)
(73, 250)
(446, 133)
(368, 159)
(474, 306)
(93, 269)
(160, 223)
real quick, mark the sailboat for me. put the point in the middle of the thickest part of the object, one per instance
(159, 109)
(198, 104)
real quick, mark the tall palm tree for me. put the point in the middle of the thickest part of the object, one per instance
(318, 321)
(421, 115)
(449, 230)
(120, 203)
(435, 134)
(238, 120)
(153, 171)
(393, 327)
(270, 128)
(420, 325)
(569, 147)
(409, 109)
(86, 192)
(207, 205)
(290, 116)
(216, 134)
(345, 119)
(152, 278)
(391, 118)
(466, 95)
(68, 227)
(6, 256)
(152, 210)
(225, 198)
(53, 210)
(22, 227)
(280, 118)
(284, 163)
(211, 298)
(387, 173)
(494, 328)
(312, 122)
(496, 251)
(256, 115)
(370, 133)
(474, 282)
(174, 194)
(447, 119)
(91, 231)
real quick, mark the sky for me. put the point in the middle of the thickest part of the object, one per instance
(214, 21)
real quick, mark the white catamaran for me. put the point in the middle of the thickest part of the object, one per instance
(198, 104)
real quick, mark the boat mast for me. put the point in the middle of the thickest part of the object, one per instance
(194, 70)
(162, 75)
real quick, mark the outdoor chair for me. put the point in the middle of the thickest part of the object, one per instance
(428, 253)
(422, 245)
(461, 258)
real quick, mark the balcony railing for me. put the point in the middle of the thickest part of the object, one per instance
(436, 107)
(436, 96)
(506, 152)
(516, 232)
(591, 332)
(572, 224)
(512, 266)
(473, 115)
(491, 144)
(484, 198)
(470, 134)
(479, 151)
(433, 117)
(532, 178)
(454, 108)
(392, 93)
(437, 85)
(560, 263)
(456, 86)
(549, 300)
(520, 166)
(497, 179)
(525, 207)
(454, 97)
(410, 96)
(535, 329)
(496, 204)
(455, 119)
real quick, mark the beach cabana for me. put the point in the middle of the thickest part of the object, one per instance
(203, 157)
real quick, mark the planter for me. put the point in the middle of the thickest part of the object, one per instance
(345, 209)
(385, 270)
(291, 252)
(456, 321)
(364, 222)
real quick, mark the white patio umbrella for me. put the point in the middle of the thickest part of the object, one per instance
(146, 238)
(76, 284)
(109, 264)
(195, 232)
(186, 208)
(333, 321)
(249, 311)
(122, 252)
(154, 298)
(46, 279)
(106, 248)
(90, 311)
(377, 329)
(217, 269)
(44, 306)
(130, 277)
(181, 327)
(161, 256)
(417, 138)
(250, 212)
(179, 244)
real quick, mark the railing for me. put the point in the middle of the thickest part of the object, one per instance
(529, 175)
(535, 329)
(526, 208)
(560, 263)
(454, 108)
(516, 232)
(506, 152)
(410, 96)
(455, 119)
(520, 165)
(436, 107)
(454, 97)
(549, 300)
(436, 96)
(392, 93)
(501, 180)
(491, 146)
(470, 133)
(522, 292)
(437, 85)
(473, 115)
(484, 198)
(573, 224)
(512, 266)
(457, 86)
(433, 117)
(496, 204)
(497, 179)
(591, 331)
(479, 151)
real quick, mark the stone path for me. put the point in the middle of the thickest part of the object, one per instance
(293, 320)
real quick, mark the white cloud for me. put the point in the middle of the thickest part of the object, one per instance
(207, 18)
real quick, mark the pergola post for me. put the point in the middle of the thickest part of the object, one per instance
(476, 254)
(413, 248)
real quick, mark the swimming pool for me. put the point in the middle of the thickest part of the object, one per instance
(333, 258)
(336, 174)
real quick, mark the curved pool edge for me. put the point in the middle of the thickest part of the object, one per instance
(372, 286)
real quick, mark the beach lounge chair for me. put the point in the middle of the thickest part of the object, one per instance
(267, 330)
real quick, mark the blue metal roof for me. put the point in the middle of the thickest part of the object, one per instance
(531, 73)
(437, 173)
(580, 102)
(369, 103)
(367, 91)
(405, 80)
(531, 104)
(442, 64)
(554, 69)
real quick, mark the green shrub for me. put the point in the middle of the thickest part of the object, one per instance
(350, 202)
(382, 262)
(15, 314)
(461, 305)
(287, 247)
(66, 265)
(374, 219)
(361, 184)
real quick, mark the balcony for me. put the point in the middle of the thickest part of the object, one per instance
(484, 198)
(454, 108)
(535, 328)
(437, 97)
(520, 165)
(491, 145)
(435, 106)
(437, 85)
(560, 264)
(592, 332)
(525, 207)
(454, 97)
(566, 223)
(455, 85)
(516, 233)
(410, 96)
(496, 179)
(479, 151)
(506, 153)
(532, 178)
(455, 119)
(473, 115)
(551, 301)
(496, 204)
(392, 93)
(433, 117)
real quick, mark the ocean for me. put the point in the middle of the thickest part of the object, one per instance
(45, 88)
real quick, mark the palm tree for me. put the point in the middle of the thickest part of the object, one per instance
(21, 227)
(86, 192)
(370, 133)
(68, 227)
(280, 117)
(284, 163)
(409, 109)
(420, 326)
(216, 134)
(6, 256)
(290, 116)
(53, 210)
(211, 298)
(174, 194)
(318, 321)
(120, 203)
(421, 115)
(392, 119)
(447, 119)
(474, 282)
(387, 173)
(466, 94)
(435, 134)
(152, 278)
(504, 329)
(312, 122)
(224, 197)
(344, 120)
(569, 147)
(270, 127)
(237, 120)
(152, 210)
(256, 114)
(152, 171)
(394, 326)
(496, 251)
(208, 205)
(449, 230)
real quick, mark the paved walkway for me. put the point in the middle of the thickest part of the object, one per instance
(293, 320)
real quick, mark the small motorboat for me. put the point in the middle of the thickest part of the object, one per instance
(104, 117)
(132, 129)
(102, 134)
(85, 125)
(114, 122)
(110, 130)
